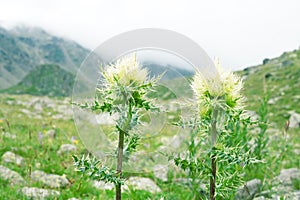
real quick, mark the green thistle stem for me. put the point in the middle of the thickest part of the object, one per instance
(122, 133)
(119, 163)
(213, 158)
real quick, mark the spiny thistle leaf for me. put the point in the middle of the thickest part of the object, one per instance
(95, 170)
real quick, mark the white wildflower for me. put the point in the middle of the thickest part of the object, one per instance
(225, 88)
(126, 71)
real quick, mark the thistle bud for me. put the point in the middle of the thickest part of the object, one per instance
(223, 90)
(125, 71)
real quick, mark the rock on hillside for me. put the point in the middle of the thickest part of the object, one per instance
(50, 180)
(10, 157)
(37, 193)
(11, 176)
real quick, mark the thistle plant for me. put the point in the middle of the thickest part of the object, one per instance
(220, 153)
(122, 92)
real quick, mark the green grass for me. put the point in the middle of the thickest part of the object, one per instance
(28, 146)
(45, 155)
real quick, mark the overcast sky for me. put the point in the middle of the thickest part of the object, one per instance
(240, 33)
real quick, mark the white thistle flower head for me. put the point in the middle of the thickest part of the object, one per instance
(126, 71)
(225, 88)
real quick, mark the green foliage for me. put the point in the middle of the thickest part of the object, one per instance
(296, 184)
(95, 170)
(231, 153)
(261, 140)
(131, 144)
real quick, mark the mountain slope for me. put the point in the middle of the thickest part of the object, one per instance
(278, 78)
(24, 48)
(50, 80)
